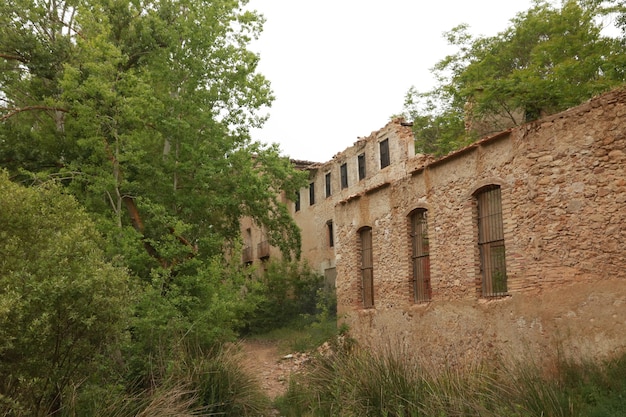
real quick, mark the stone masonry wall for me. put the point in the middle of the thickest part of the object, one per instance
(563, 185)
(313, 219)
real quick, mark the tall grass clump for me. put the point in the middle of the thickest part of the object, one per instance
(225, 387)
(397, 383)
(194, 383)
(386, 383)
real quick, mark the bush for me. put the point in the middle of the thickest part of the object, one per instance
(288, 291)
(62, 307)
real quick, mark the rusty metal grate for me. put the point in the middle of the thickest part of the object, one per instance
(367, 267)
(491, 242)
(420, 257)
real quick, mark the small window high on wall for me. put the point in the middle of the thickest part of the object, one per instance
(367, 267)
(331, 233)
(491, 241)
(311, 193)
(420, 257)
(328, 189)
(384, 154)
(344, 175)
(297, 202)
(361, 166)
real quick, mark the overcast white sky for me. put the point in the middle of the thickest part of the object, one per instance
(340, 68)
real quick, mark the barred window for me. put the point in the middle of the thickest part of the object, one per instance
(491, 241)
(420, 280)
(367, 267)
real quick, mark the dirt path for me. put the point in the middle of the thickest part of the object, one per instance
(272, 367)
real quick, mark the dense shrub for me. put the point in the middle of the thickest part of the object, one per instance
(62, 307)
(288, 291)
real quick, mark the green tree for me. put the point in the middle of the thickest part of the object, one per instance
(141, 110)
(63, 309)
(549, 59)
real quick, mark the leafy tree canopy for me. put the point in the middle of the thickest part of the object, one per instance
(549, 59)
(141, 109)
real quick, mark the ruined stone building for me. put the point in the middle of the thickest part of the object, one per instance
(515, 244)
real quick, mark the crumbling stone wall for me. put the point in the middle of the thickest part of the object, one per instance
(563, 185)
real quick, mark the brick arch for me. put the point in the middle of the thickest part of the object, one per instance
(482, 184)
(418, 206)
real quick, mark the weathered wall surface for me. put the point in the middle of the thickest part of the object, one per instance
(313, 219)
(563, 184)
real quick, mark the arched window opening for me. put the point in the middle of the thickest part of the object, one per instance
(491, 241)
(367, 267)
(420, 256)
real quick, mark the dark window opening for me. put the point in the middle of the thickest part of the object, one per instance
(361, 162)
(297, 202)
(344, 176)
(328, 189)
(420, 258)
(367, 267)
(331, 237)
(384, 153)
(491, 242)
(311, 193)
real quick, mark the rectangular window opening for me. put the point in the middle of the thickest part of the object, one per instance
(344, 176)
(297, 202)
(384, 154)
(361, 163)
(328, 189)
(311, 193)
(331, 235)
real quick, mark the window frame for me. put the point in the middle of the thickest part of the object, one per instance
(385, 157)
(311, 193)
(331, 234)
(328, 179)
(420, 256)
(297, 202)
(361, 166)
(490, 241)
(366, 246)
(343, 169)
